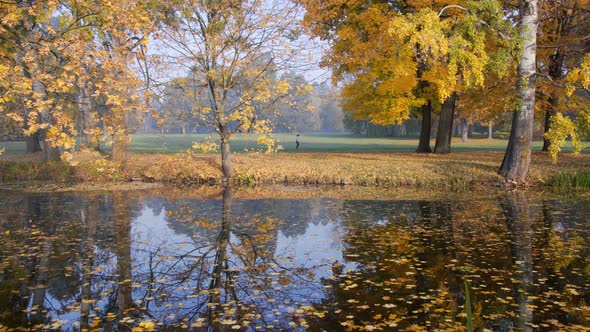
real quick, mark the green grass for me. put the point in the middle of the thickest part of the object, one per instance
(314, 142)
(571, 180)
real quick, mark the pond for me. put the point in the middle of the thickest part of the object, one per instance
(223, 261)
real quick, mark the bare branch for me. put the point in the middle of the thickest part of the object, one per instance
(547, 76)
(441, 12)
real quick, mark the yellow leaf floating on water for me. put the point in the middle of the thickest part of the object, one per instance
(228, 322)
(144, 326)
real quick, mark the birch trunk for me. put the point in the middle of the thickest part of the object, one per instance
(517, 160)
(464, 131)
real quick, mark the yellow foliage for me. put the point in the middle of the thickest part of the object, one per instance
(579, 76)
(444, 78)
(269, 142)
(561, 128)
(205, 147)
(283, 87)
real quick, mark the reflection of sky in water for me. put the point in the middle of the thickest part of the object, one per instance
(150, 231)
(320, 245)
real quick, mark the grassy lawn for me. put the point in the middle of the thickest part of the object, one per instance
(322, 159)
(315, 142)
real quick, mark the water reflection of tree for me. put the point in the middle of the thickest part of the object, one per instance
(398, 250)
(89, 219)
(415, 267)
(122, 214)
(294, 216)
(519, 219)
(39, 252)
(50, 257)
(226, 275)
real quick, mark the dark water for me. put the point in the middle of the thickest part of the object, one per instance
(118, 261)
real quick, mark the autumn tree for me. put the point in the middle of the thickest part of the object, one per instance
(562, 66)
(378, 77)
(230, 50)
(113, 55)
(562, 43)
(562, 126)
(456, 48)
(34, 39)
(59, 58)
(426, 55)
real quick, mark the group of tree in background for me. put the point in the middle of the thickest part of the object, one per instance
(70, 68)
(313, 111)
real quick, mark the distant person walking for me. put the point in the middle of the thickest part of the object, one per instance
(297, 142)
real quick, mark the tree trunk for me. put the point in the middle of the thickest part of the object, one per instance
(226, 165)
(515, 166)
(183, 128)
(464, 131)
(445, 126)
(51, 153)
(88, 119)
(120, 138)
(120, 148)
(120, 115)
(490, 131)
(424, 143)
(32, 143)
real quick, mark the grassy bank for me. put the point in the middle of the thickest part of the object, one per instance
(457, 170)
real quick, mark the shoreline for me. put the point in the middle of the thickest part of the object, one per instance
(91, 171)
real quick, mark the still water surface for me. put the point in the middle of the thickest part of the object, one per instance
(152, 260)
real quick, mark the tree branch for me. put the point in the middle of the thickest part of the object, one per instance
(451, 6)
(547, 76)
